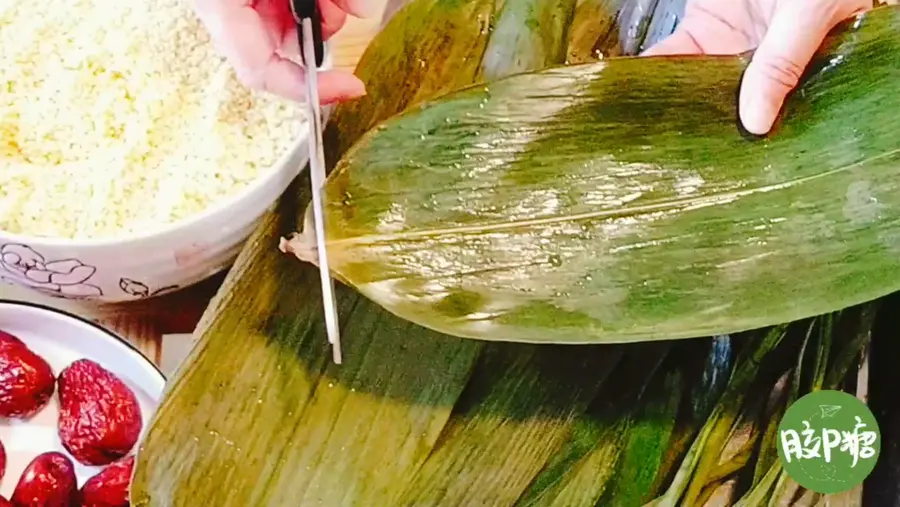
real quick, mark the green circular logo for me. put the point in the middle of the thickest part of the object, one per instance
(828, 441)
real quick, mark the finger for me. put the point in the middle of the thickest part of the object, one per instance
(709, 28)
(290, 44)
(287, 79)
(679, 43)
(359, 8)
(333, 18)
(255, 56)
(279, 76)
(240, 35)
(792, 39)
(336, 86)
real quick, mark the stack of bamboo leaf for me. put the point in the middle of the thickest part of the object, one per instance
(258, 415)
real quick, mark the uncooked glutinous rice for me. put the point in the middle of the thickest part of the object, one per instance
(119, 117)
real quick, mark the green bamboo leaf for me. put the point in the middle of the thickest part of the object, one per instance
(645, 450)
(847, 338)
(690, 480)
(595, 30)
(433, 47)
(856, 332)
(585, 469)
(258, 416)
(566, 206)
(760, 494)
(513, 49)
(518, 411)
(767, 458)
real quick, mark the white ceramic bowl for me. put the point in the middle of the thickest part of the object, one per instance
(61, 338)
(136, 267)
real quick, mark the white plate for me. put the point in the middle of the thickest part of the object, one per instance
(61, 338)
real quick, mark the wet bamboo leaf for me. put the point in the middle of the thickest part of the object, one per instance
(612, 202)
(585, 468)
(258, 416)
(513, 49)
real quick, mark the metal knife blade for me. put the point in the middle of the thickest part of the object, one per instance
(309, 31)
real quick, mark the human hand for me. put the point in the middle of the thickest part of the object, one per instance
(785, 33)
(259, 38)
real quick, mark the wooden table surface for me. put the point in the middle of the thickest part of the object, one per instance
(162, 335)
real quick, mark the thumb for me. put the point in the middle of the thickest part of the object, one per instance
(679, 42)
(796, 31)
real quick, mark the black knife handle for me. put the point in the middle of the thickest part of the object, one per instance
(309, 9)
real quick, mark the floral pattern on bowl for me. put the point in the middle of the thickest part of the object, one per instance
(66, 278)
(141, 290)
(23, 265)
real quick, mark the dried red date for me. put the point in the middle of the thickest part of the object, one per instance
(26, 380)
(100, 418)
(48, 481)
(110, 487)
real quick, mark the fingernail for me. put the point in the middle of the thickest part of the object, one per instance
(758, 117)
(356, 90)
(348, 92)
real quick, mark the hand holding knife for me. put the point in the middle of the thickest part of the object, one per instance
(312, 50)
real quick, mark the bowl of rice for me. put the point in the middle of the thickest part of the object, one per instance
(134, 163)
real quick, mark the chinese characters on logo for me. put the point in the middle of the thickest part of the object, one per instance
(859, 444)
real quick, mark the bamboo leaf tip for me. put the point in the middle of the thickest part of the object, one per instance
(299, 246)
